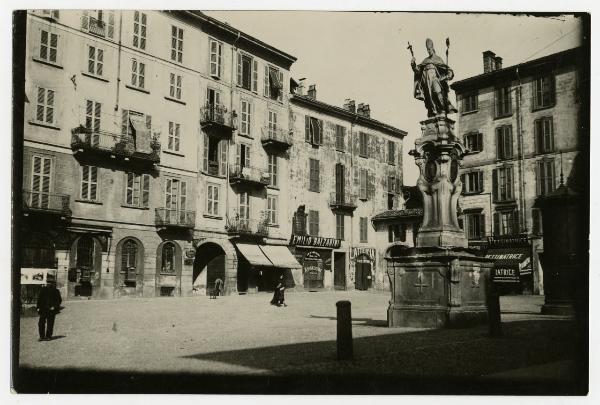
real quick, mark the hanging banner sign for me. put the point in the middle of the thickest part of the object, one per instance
(357, 251)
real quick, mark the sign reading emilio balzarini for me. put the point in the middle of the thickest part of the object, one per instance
(315, 241)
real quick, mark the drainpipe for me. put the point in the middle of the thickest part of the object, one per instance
(232, 86)
(119, 47)
(352, 124)
(520, 157)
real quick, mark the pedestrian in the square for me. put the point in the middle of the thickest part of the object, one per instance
(279, 293)
(216, 291)
(48, 305)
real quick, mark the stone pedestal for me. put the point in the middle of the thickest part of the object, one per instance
(439, 283)
(437, 288)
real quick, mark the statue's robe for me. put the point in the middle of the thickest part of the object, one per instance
(431, 85)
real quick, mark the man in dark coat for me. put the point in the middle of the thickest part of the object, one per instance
(48, 305)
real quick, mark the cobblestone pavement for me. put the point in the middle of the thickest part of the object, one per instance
(244, 335)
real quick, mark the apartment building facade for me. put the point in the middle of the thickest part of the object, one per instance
(523, 127)
(165, 150)
(345, 168)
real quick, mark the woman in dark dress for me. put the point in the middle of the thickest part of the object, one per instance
(279, 293)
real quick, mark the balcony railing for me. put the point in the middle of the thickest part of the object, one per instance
(167, 217)
(276, 137)
(47, 202)
(247, 227)
(218, 118)
(97, 27)
(85, 141)
(342, 201)
(248, 175)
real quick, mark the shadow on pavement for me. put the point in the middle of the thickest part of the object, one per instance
(363, 321)
(450, 361)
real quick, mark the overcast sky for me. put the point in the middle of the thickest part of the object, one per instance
(363, 55)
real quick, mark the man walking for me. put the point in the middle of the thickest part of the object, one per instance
(48, 304)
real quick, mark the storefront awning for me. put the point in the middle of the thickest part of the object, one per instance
(254, 255)
(280, 256)
(511, 263)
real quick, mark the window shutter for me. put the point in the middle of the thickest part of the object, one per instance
(182, 195)
(266, 82)
(495, 184)
(538, 136)
(93, 182)
(509, 184)
(223, 157)
(239, 69)
(280, 93)
(205, 154)
(515, 225)
(496, 223)
(84, 19)
(398, 186)
(238, 155)
(110, 29)
(307, 137)
(553, 174)
(370, 185)
(481, 225)
(255, 76)
(510, 141)
(479, 141)
(129, 189)
(318, 178)
(84, 182)
(145, 190)
(551, 134)
(320, 131)
(538, 177)
(480, 178)
(463, 181)
(124, 122)
(499, 143)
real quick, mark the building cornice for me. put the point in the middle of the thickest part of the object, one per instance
(234, 36)
(548, 63)
(308, 102)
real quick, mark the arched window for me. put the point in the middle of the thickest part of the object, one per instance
(168, 258)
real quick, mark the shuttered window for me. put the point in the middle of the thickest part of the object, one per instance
(474, 141)
(212, 199)
(48, 46)
(272, 165)
(175, 86)
(474, 225)
(363, 150)
(244, 206)
(339, 226)
(543, 92)
(247, 72)
(176, 44)
(137, 190)
(314, 180)
(472, 182)
(364, 232)
(174, 136)
(40, 181)
(504, 142)
(99, 22)
(89, 183)
(272, 209)
(503, 101)
(544, 135)
(469, 102)
(506, 222)
(216, 50)
(546, 176)
(246, 118)
(340, 138)
(175, 194)
(139, 29)
(502, 184)
(138, 73)
(313, 130)
(363, 195)
(391, 157)
(95, 60)
(313, 223)
(44, 112)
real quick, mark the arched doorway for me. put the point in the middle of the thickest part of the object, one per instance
(208, 266)
(84, 267)
(129, 267)
(363, 278)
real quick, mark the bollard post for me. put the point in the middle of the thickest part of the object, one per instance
(344, 330)
(494, 320)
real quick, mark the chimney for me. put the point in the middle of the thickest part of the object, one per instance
(300, 89)
(350, 105)
(488, 61)
(367, 111)
(312, 91)
(498, 62)
(360, 109)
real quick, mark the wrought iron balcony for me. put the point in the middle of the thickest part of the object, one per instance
(218, 120)
(167, 217)
(51, 203)
(276, 138)
(86, 142)
(97, 27)
(247, 227)
(248, 176)
(342, 201)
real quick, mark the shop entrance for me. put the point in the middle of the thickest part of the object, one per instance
(363, 275)
(339, 271)
(313, 271)
(208, 266)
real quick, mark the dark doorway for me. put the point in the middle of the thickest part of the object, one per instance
(210, 257)
(363, 277)
(339, 271)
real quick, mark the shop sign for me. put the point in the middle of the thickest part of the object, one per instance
(356, 252)
(313, 266)
(315, 241)
(505, 275)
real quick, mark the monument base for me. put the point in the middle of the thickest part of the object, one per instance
(558, 308)
(438, 287)
(442, 237)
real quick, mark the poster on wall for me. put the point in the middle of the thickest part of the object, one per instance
(32, 276)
